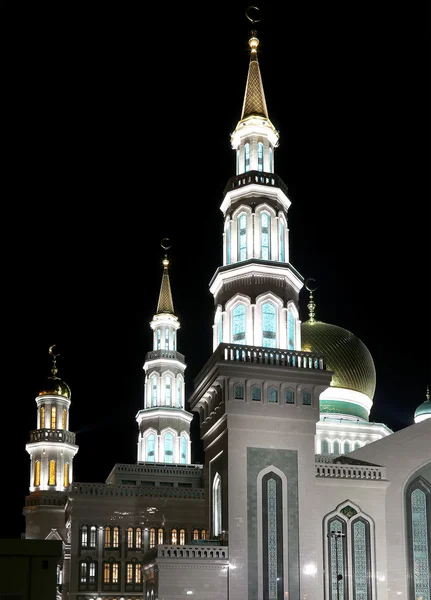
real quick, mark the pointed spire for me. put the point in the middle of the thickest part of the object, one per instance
(165, 304)
(254, 99)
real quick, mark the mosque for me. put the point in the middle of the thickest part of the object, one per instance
(300, 496)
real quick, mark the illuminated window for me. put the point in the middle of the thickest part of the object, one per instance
(265, 235)
(203, 534)
(151, 440)
(169, 448)
(52, 472)
(84, 535)
(290, 330)
(418, 504)
(167, 338)
(179, 389)
(269, 325)
(83, 572)
(53, 417)
(168, 398)
(64, 419)
(138, 537)
(93, 536)
(154, 391)
(290, 396)
(115, 569)
(272, 395)
(37, 473)
(42, 418)
(152, 537)
(183, 449)
(336, 449)
(357, 445)
(256, 393)
(159, 343)
(220, 329)
(107, 537)
(138, 574)
(246, 157)
(66, 475)
(281, 241)
(130, 537)
(306, 398)
(115, 537)
(325, 447)
(238, 392)
(160, 536)
(129, 574)
(346, 447)
(174, 537)
(106, 573)
(237, 162)
(182, 537)
(228, 257)
(271, 168)
(92, 572)
(260, 156)
(217, 505)
(238, 324)
(195, 534)
(242, 237)
(174, 340)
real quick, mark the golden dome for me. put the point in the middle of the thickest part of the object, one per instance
(344, 354)
(55, 387)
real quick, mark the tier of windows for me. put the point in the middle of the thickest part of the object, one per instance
(252, 157)
(165, 338)
(164, 391)
(254, 393)
(57, 417)
(168, 447)
(52, 473)
(262, 234)
(135, 536)
(338, 447)
(266, 324)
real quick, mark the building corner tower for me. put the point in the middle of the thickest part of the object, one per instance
(164, 424)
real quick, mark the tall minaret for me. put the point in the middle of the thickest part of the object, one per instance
(164, 424)
(256, 290)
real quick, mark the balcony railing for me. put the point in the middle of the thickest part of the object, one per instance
(349, 471)
(255, 177)
(52, 435)
(173, 354)
(195, 551)
(103, 489)
(42, 499)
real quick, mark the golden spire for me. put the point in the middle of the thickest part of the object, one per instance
(54, 369)
(254, 99)
(165, 304)
(311, 286)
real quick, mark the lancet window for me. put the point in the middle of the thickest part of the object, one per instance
(238, 324)
(269, 325)
(217, 505)
(242, 237)
(151, 442)
(260, 156)
(246, 157)
(418, 507)
(169, 448)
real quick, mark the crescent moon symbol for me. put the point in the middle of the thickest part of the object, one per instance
(51, 352)
(251, 18)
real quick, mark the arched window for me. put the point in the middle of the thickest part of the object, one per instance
(52, 472)
(183, 450)
(129, 573)
(290, 330)
(106, 573)
(93, 536)
(203, 534)
(290, 396)
(306, 398)
(83, 572)
(152, 537)
(418, 506)
(151, 442)
(159, 339)
(160, 535)
(107, 537)
(269, 325)
(238, 324)
(265, 222)
(281, 241)
(346, 447)
(237, 161)
(42, 418)
(238, 393)
(66, 475)
(260, 156)
(256, 393)
(220, 329)
(174, 340)
(168, 397)
(92, 572)
(357, 445)
(271, 163)
(130, 540)
(325, 446)
(138, 573)
(217, 506)
(53, 417)
(174, 537)
(179, 394)
(228, 255)
(169, 448)
(272, 395)
(182, 537)
(195, 534)
(336, 536)
(64, 419)
(84, 535)
(115, 537)
(37, 473)
(242, 237)
(166, 339)
(336, 448)
(246, 157)
(154, 390)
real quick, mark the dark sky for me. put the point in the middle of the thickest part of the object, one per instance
(116, 121)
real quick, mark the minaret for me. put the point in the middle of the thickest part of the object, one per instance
(164, 424)
(52, 446)
(256, 290)
(423, 411)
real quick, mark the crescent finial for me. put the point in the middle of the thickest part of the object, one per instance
(249, 17)
(51, 351)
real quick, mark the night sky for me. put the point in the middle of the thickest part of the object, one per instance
(116, 122)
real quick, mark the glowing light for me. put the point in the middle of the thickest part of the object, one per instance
(310, 569)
